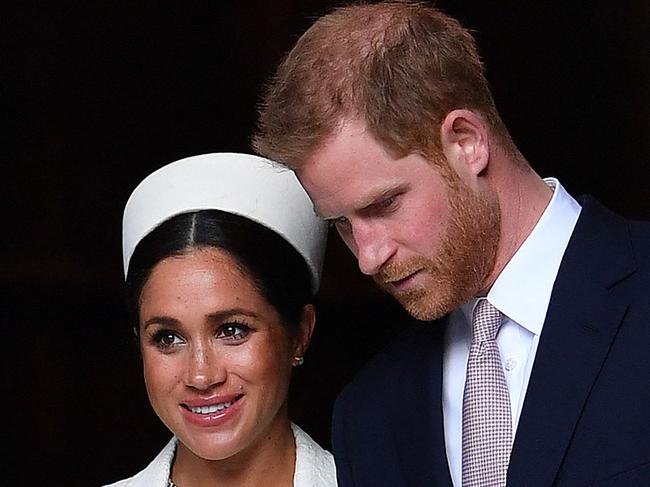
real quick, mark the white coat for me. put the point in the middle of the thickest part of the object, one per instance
(314, 466)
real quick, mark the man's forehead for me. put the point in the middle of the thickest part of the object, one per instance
(349, 172)
(333, 197)
(351, 148)
(347, 134)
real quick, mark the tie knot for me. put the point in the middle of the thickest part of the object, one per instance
(486, 321)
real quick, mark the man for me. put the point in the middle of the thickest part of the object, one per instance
(536, 372)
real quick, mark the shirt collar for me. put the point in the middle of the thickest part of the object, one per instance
(523, 289)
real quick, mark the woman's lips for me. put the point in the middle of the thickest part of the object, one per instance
(212, 412)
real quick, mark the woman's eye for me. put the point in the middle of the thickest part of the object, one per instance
(233, 331)
(167, 339)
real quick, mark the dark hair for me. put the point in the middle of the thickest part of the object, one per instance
(278, 271)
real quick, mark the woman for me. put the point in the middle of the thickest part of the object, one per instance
(222, 256)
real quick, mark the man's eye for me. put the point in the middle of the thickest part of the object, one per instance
(339, 223)
(386, 203)
(233, 331)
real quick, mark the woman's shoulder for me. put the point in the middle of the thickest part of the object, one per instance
(156, 474)
(314, 465)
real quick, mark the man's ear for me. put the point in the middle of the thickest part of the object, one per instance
(305, 330)
(465, 142)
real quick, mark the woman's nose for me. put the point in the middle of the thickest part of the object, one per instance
(205, 368)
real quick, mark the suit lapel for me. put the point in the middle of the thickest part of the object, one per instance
(584, 314)
(418, 432)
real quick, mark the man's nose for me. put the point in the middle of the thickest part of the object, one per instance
(372, 247)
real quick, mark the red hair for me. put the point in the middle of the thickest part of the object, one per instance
(399, 67)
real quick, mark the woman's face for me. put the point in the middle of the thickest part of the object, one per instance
(217, 358)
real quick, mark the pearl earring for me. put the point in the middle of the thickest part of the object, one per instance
(298, 360)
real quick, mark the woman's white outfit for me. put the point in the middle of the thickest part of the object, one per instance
(314, 466)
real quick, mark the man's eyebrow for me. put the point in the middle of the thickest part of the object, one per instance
(379, 195)
(368, 200)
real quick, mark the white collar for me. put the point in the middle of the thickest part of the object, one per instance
(523, 289)
(314, 466)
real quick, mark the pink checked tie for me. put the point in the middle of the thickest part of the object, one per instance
(487, 427)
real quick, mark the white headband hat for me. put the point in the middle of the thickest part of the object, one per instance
(242, 184)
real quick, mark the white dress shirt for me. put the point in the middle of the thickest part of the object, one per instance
(522, 293)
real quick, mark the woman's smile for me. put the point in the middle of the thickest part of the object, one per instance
(214, 412)
(217, 357)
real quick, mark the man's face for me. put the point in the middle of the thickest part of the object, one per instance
(421, 232)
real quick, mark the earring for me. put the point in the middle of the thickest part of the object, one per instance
(298, 360)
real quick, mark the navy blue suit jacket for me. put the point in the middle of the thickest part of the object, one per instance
(586, 415)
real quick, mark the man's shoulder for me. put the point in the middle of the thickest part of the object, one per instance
(604, 227)
(594, 210)
(640, 233)
(415, 349)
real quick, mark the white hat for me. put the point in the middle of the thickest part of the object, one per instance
(242, 184)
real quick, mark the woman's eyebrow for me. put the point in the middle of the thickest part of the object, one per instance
(225, 314)
(162, 320)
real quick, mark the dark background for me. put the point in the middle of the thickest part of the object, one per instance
(98, 94)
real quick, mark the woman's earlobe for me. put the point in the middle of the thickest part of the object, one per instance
(297, 360)
(305, 331)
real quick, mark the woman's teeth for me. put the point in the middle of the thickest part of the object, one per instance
(213, 408)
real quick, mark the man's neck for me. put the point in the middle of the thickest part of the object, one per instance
(523, 197)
